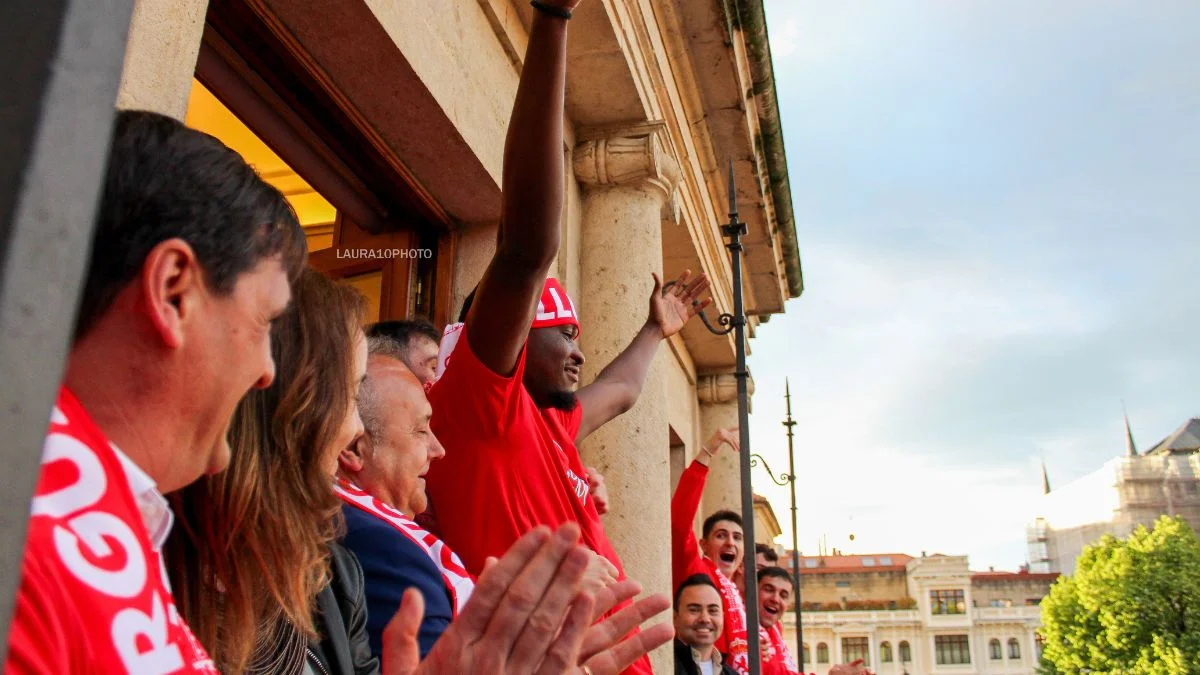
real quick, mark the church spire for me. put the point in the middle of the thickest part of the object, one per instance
(1130, 446)
(1045, 479)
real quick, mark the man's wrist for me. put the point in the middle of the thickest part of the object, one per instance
(654, 329)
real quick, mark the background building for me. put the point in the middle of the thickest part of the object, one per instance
(916, 615)
(384, 123)
(1116, 498)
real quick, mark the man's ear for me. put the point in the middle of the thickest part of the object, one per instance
(352, 459)
(171, 286)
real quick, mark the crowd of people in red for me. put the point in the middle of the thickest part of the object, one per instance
(238, 478)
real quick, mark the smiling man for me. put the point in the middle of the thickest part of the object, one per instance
(381, 482)
(192, 260)
(774, 594)
(699, 619)
(718, 554)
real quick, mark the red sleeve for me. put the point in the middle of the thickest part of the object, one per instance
(37, 637)
(685, 550)
(469, 393)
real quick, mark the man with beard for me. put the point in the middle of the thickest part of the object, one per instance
(718, 554)
(698, 623)
(505, 405)
(774, 593)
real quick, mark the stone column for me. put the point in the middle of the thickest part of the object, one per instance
(629, 181)
(160, 56)
(718, 408)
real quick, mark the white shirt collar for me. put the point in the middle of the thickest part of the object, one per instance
(154, 508)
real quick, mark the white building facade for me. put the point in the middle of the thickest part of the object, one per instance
(963, 623)
(1116, 498)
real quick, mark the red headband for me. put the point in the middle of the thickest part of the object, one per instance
(555, 307)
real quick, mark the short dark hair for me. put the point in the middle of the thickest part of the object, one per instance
(404, 330)
(165, 181)
(467, 302)
(766, 551)
(724, 514)
(778, 573)
(694, 580)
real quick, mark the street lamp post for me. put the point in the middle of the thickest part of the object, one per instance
(736, 323)
(789, 479)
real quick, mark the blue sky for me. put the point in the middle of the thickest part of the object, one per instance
(998, 209)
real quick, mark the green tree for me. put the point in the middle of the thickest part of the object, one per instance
(1132, 607)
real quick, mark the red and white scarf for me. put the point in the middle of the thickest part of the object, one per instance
(100, 556)
(779, 649)
(737, 650)
(458, 581)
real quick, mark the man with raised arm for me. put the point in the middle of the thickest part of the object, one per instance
(718, 554)
(504, 405)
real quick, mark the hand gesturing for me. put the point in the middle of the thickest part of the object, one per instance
(672, 308)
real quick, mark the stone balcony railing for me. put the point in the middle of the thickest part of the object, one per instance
(1020, 613)
(869, 616)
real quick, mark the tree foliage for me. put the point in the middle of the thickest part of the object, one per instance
(1132, 607)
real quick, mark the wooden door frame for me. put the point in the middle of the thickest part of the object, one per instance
(249, 62)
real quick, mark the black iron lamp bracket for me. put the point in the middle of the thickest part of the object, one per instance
(784, 478)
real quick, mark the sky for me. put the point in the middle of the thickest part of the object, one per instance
(997, 204)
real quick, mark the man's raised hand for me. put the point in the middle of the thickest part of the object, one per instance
(721, 437)
(674, 307)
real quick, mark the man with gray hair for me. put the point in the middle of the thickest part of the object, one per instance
(381, 482)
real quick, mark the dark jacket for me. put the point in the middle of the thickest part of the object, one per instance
(392, 563)
(686, 665)
(342, 620)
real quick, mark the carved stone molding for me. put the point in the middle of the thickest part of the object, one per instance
(632, 156)
(720, 387)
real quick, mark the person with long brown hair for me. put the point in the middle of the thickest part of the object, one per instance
(253, 552)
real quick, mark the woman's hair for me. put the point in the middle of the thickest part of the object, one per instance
(251, 548)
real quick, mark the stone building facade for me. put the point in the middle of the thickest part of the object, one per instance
(384, 122)
(1124, 493)
(916, 615)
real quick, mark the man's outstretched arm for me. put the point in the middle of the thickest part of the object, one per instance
(618, 386)
(505, 300)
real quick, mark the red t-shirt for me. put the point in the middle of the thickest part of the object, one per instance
(509, 466)
(94, 597)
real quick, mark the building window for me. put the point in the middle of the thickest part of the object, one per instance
(1014, 648)
(905, 652)
(994, 650)
(822, 652)
(885, 652)
(948, 602)
(885, 561)
(1000, 603)
(1039, 642)
(810, 563)
(868, 562)
(1032, 602)
(807, 657)
(843, 584)
(854, 648)
(951, 650)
